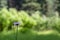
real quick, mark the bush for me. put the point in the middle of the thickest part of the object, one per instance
(41, 21)
(7, 18)
(46, 23)
(36, 21)
(55, 23)
(28, 21)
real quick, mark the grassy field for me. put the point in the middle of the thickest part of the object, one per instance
(31, 35)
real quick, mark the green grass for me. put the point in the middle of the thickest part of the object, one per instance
(31, 35)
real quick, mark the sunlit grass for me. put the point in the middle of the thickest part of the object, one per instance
(31, 35)
(46, 32)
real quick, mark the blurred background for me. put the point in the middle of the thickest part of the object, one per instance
(39, 19)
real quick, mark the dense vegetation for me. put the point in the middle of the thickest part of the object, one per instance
(39, 19)
(7, 18)
(46, 7)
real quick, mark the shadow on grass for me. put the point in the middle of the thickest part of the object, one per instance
(29, 36)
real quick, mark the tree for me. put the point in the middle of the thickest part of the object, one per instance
(51, 7)
(43, 6)
(3, 3)
(58, 6)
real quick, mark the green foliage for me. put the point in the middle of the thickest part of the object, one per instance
(46, 23)
(54, 23)
(7, 18)
(3, 3)
(31, 6)
(41, 21)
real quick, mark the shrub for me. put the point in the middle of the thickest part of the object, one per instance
(54, 23)
(41, 22)
(28, 21)
(7, 18)
(36, 21)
